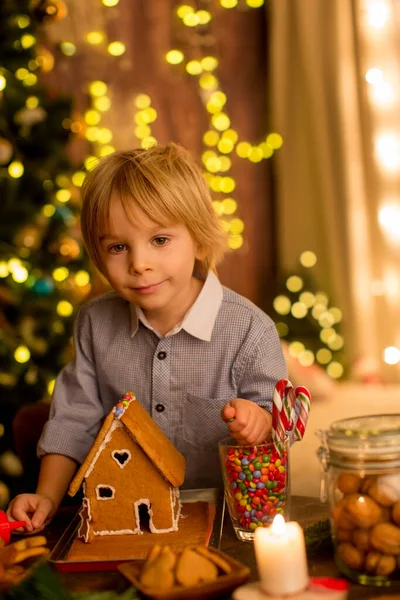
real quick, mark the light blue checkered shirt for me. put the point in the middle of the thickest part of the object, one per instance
(224, 348)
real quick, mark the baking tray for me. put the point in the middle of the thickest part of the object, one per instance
(59, 555)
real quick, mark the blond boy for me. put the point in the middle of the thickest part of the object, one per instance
(196, 354)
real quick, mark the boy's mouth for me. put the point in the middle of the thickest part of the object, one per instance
(148, 289)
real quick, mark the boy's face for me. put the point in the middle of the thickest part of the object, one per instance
(150, 265)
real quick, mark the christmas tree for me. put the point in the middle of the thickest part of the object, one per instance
(43, 273)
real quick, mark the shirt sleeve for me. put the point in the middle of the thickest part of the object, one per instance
(76, 411)
(261, 367)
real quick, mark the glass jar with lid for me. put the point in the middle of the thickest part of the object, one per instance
(360, 463)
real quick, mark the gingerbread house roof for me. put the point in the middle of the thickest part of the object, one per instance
(146, 433)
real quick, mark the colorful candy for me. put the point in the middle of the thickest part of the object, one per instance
(257, 481)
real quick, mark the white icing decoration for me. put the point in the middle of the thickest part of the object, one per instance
(114, 425)
(85, 521)
(109, 487)
(123, 451)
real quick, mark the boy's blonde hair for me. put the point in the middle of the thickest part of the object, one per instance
(166, 184)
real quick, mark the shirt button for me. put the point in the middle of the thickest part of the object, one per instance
(160, 407)
(161, 355)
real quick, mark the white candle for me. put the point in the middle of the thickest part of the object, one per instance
(281, 558)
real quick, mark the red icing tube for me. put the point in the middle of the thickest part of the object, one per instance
(6, 526)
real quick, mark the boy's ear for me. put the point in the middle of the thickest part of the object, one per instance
(200, 253)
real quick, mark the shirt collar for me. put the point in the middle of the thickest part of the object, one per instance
(200, 318)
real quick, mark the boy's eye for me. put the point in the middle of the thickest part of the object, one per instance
(117, 248)
(160, 241)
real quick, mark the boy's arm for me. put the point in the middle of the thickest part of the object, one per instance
(56, 473)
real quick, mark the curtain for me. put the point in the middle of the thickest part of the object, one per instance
(330, 185)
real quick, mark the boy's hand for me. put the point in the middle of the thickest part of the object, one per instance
(36, 509)
(248, 423)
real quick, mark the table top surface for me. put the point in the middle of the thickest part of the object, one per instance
(305, 510)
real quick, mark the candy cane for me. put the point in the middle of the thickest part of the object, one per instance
(280, 413)
(303, 404)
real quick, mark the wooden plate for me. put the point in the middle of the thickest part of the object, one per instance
(207, 590)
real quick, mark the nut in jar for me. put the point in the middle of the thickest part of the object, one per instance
(360, 460)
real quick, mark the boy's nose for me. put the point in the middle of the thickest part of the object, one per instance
(138, 262)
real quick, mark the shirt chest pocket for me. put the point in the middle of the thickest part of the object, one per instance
(203, 426)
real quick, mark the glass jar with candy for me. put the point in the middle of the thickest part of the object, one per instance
(256, 484)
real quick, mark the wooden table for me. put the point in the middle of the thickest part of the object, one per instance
(303, 509)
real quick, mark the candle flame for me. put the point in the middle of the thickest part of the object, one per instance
(278, 526)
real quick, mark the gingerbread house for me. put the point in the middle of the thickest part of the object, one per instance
(131, 464)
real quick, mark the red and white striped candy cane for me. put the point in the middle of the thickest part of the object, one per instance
(303, 405)
(280, 415)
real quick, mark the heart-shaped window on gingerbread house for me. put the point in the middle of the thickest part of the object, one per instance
(121, 457)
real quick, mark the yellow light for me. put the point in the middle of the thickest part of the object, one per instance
(90, 162)
(318, 310)
(103, 104)
(203, 16)
(50, 386)
(16, 169)
(324, 356)
(13, 264)
(142, 101)
(65, 308)
(225, 146)
(184, 10)
(228, 3)
(336, 314)
(243, 149)
(92, 134)
(326, 335)
(211, 138)
(378, 13)
(191, 20)
(142, 131)
(227, 185)
(235, 242)
(63, 195)
(256, 155)
(326, 320)
(274, 140)
(296, 348)
(193, 67)
(97, 88)
(20, 274)
(22, 354)
(110, 3)
(208, 81)
(336, 343)
(321, 298)
(3, 82)
(335, 370)
(299, 310)
(106, 150)
(229, 206)
(116, 48)
(4, 272)
(225, 225)
(105, 135)
(23, 21)
(306, 358)
(78, 178)
(226, 163)
(220, 121)
(217, 205)
(213, 164)
(308, 259)
(68, 48)
(282, 329)
(149, 141)
(60, 274)
(95, 38)
(82, 278)
(391, 355)
(27, 41)
(148, 115)
(307, 298)
(92, 117)
(174, 57)
(32, 102)
(209, 63)
(236, 226)
(30, 79)
(282, 305)
(215, 184)
(218, 98)
(294, 283)
(21, 73)
(48, 210)
(62, 180)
